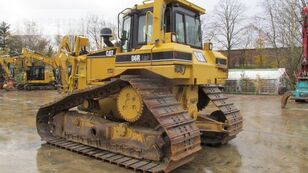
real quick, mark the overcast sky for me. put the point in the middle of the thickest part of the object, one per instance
(50, 14)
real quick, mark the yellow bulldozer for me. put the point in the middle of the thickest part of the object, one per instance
(142, 100)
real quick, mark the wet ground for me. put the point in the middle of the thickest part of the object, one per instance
(273, 140)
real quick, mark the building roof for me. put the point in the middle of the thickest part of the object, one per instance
(237, 74)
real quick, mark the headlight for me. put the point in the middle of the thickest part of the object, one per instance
(220, 61)
(179, 69)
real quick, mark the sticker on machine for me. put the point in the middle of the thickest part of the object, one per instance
(199, 56)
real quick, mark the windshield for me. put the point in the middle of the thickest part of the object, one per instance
(188, 31)
(193, 31)
(302, 83)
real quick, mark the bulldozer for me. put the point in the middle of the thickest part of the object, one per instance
(141, 101)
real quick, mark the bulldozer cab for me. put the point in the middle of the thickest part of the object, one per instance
(160, 37)
(181, 22)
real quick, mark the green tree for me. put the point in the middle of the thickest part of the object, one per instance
(4, 36)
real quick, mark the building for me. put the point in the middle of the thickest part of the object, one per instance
(262, 58)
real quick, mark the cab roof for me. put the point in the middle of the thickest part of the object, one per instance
(185, 3)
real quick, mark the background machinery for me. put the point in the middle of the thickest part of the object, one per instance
(38, 72)
(300, 94)
(143, 99)
(7, 72)
(60, 65)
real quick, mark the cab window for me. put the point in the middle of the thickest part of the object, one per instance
(188, 30)
(193, 31)
(126, 32)
(179, 28)
(144, 37)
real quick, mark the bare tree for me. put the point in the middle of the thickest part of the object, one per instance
(228, 18)
(270, 27)
(29, 37)
(282, 25)
(208, 31)
(33, 38)
(93, 26)
(248, 40)
(57, 39)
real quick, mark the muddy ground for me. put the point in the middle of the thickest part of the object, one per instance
(273, 140)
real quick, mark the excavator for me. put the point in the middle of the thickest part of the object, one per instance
(42, 77)
(300, 94)
(37, 77)
(62, 62)
(141, 102)
(6, 77)
(34, 77)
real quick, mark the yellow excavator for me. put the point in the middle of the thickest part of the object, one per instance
(144, 98)
(37, 76)
(53, 72)
(60, 65)
(7, 73)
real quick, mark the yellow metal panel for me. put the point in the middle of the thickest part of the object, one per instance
(167, 71)
(208, 73)
(100, 68)
(190, 5)
(144, 6)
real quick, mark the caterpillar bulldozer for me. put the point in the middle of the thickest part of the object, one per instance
(300, 94)
(141, 102)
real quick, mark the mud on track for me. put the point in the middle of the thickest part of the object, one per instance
(273, 140)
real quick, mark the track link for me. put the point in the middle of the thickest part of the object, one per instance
(182, 133)
(30, 87)
(234, 120)
(107, 156)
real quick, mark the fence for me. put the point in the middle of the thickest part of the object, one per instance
(249, 86)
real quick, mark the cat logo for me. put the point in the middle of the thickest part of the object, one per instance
(109, 52)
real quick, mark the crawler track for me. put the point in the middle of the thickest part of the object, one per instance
(232, 117)
(182, 134)
(31, 87)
